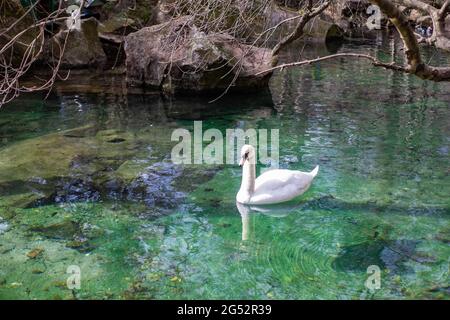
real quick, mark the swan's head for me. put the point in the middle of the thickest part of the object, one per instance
(247, 154)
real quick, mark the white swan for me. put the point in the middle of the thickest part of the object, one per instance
(273, 186)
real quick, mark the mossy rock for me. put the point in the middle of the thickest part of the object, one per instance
(114, 136)
(130, 170)
(32, 171)
(22, 200)
(44, 157)
(65, 229)
(80, 246)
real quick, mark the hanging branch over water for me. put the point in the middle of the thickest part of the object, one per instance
(440, 37)
(375, 62)
(243, 20)
(414, 60)
(18, 56)
(415, 65)
(310, 13)
(238, 19)
(234, 17)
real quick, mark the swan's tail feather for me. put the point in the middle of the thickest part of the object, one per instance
(315, 171)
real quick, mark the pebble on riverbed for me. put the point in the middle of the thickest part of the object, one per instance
(3, 226)
(33, 254)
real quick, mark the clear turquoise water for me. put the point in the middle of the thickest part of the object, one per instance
(87, 181)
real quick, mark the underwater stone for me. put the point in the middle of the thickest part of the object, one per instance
(5, 248)
(23, 200)
(81, 246)
(28, 160)
(130, 170)
(37, 271)
(88, 167)
(60, 230)
(76, 190)
(76, 170)
(443, 237)
(91, 231)
(112, 135)
(33, 254)
(3, 226)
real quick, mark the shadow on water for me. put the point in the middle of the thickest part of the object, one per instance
(382, 253)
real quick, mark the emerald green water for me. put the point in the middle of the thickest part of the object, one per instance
(87, 180)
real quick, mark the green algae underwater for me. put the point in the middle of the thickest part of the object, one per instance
(86, 180)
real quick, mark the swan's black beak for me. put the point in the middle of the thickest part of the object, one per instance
(243, 158)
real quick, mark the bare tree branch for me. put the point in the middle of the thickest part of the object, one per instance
(412, 51)
(374, 61)
(440, 37)
(414, 62)
(299, 28)
(15, 65)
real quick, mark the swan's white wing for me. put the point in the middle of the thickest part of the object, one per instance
(280, 185)
(278, 178)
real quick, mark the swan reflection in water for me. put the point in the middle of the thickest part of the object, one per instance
(276, 211)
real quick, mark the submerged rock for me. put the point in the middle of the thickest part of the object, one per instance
(443, 236)
(82, 164)
(80, 246)
(23, 200)
(3, 226)
(40, 159)
(130, 170)
(65, 166)
(33, 254)
(155, 186)
(176, 56)
(65, 229)
(76, 190)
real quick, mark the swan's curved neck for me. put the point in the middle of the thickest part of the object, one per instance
(248, 177)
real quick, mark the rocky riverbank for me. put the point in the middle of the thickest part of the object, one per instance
(152, 45)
